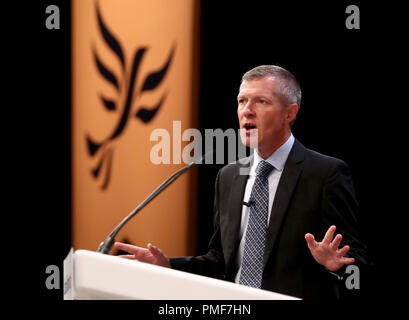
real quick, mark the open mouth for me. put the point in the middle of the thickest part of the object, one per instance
(248, 127)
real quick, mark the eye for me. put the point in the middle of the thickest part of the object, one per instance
(241, 100)
(262, 101)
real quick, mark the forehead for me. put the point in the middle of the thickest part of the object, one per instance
(264, 86)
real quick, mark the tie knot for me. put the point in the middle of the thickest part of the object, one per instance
(263, 169)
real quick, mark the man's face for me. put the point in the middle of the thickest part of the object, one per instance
(260, 108)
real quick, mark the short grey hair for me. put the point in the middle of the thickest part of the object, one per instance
(288, 88)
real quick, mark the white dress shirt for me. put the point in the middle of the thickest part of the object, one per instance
(277, 159)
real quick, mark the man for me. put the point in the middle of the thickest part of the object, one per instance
(266, 217)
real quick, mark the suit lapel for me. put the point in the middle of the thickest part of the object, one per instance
(285, 189)
(231, 239)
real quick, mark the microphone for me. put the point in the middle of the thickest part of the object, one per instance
(106, 245)
(248, 204)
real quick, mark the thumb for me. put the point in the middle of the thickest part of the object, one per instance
(310, 241)
(161, 258)
(154, 250)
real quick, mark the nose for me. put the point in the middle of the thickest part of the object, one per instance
(248, 109)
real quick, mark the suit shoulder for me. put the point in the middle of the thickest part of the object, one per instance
(323, 158)
(324, 163)
(232, 169)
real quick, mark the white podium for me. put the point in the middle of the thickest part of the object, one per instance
(99, 276)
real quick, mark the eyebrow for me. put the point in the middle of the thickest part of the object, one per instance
(257, 96)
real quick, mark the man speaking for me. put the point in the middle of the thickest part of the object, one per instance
(266, 219)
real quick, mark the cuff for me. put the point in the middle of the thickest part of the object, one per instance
(339, 274)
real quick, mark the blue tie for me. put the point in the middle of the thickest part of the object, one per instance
(252, 264)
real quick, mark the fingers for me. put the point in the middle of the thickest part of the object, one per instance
(137, 252)
(150, 255)
(127, 256)
(335, 244)
(329, 235)
(347, 260)
(341, 252)
(161, 258)
(310, 241)
(125, 247)
(155, 250)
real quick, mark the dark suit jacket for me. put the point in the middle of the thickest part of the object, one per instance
(314, 192)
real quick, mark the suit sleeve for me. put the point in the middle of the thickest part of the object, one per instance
(340, 208)
(212, 263)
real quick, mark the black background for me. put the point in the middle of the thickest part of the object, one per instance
(344, 113)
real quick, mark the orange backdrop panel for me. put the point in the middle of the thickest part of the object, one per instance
(127, 56)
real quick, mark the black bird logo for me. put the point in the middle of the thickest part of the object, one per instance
(125, 87)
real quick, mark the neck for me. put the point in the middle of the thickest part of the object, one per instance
(265, 152)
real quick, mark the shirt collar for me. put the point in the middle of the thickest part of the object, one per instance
(278, 158)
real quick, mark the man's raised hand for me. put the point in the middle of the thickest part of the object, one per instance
(326, 252)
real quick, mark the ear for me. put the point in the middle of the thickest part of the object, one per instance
(292, 110)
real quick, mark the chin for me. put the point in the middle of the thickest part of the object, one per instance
(248, 141)
(249, 138)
